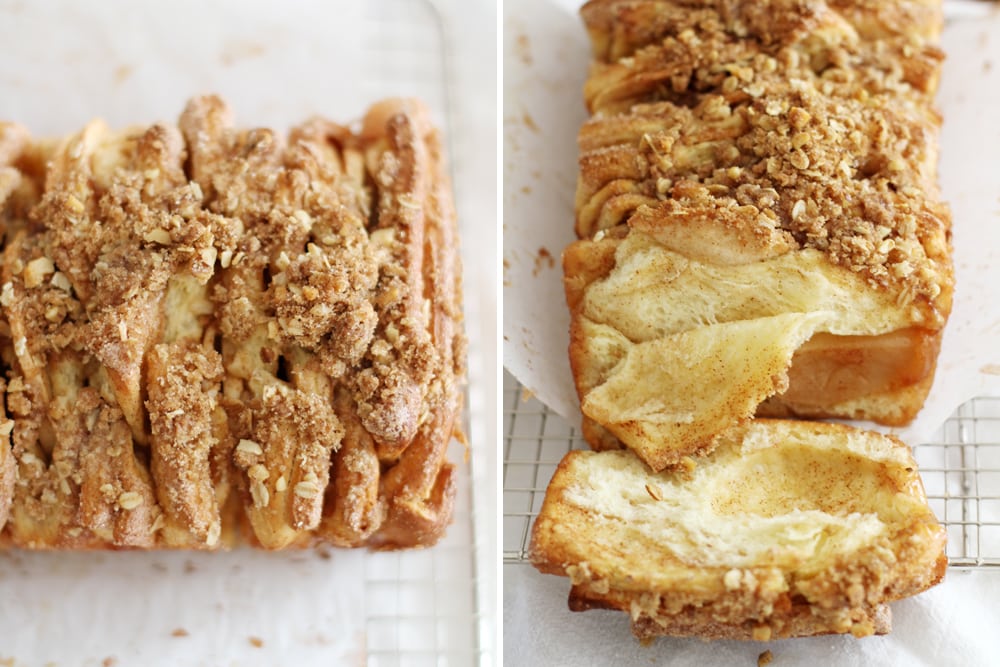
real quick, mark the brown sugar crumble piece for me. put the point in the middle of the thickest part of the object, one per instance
(211, 334)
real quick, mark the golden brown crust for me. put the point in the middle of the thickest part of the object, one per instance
(786, 529)
(356, 508)
(797, 621)
(182, 405)
(202, 322)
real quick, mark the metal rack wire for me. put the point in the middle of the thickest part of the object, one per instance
(427, 607)
(422, 606)
(960, 468)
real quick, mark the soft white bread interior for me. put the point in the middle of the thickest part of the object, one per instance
(668, 350)
(786, 529)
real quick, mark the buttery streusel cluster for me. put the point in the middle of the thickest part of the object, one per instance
(815, 119)
(209, 331)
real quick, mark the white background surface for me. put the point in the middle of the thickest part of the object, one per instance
(65, 62)
(545, 58)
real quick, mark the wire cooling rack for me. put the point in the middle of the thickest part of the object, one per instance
(431, 607)
(423, 607)
(960, 468)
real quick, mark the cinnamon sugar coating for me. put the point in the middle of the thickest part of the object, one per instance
(208, 330)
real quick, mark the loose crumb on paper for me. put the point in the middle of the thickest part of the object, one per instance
(240, 50)
(765, 658)
(529, 122)
(543, 259)
(526, 394)
(109, 661)
(256, 642)
(990, 369)
(179, 632)
(523, 49)
(121, 73)
(6, 662)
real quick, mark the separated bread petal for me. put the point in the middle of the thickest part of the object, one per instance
(785, 529)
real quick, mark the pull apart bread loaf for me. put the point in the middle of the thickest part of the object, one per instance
(787, 528)
(760, 221)
(211, 332)
(761, 235)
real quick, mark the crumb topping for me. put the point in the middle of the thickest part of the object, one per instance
(196, 295)
(815, 119)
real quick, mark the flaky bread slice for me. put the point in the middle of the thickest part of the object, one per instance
(787, 529)
(673, 339)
